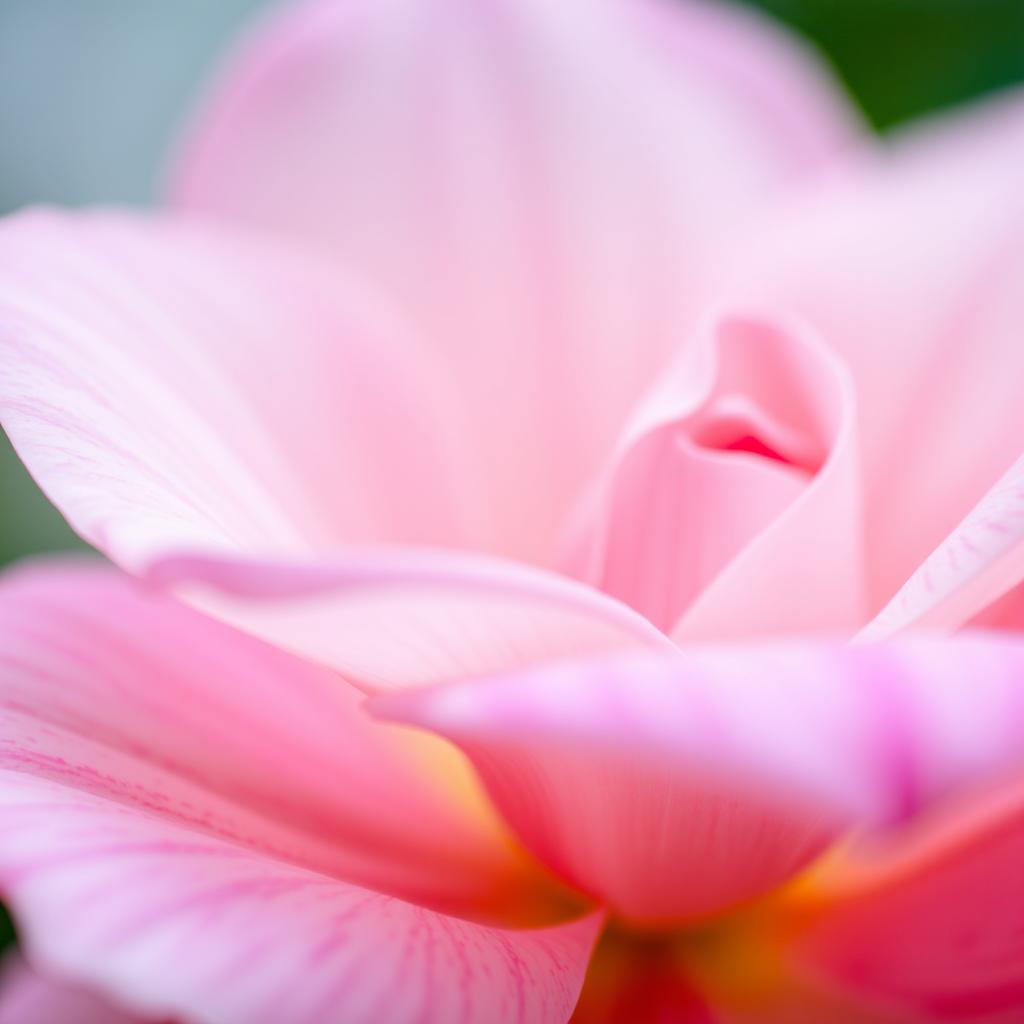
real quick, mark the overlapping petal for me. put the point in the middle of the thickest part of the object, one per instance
(207, 408)
(676, 786)
(545, 191)
(980, 563)
(172, 385)
(733, 502)
(396, 617)
(543, 187)
(910, 266)
(176, 922)
(929, 926)
(126, 694)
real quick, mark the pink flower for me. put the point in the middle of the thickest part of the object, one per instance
(550, 392)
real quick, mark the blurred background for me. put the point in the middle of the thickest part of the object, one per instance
(92, 91)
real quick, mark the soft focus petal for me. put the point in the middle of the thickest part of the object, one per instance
(1005, 613)
(676, 786)
(175, 386)
(911, 267)
(189, 397)
(398, 617)
(932, 924)
(117, 691)
(28, 998)
(178, 923)
(980, 562)
(733, 500)
(542, 186)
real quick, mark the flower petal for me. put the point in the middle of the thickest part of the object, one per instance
(541, 186)
(979, 562)
(171, 921)
(910, 268)
(734, 496)
(457, 615)
(129, 694)
(174, 386)
(194, 400)
(27, 997)
(676, 786)
(1005, 613)
(932, 924)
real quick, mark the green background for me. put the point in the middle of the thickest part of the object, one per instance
(91, 92)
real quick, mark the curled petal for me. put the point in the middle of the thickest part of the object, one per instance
(733, 497)
(909, 266)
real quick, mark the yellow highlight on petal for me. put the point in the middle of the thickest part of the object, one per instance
(520, 891)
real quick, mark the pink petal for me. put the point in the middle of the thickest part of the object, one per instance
(175, 386)
(980, 561)
(910, 268)
(175, 922)
(675, 786)
(541, 186)
(28, 998)
(733, 498)
(456, 615)
(130, 695)
(196, 402)
(1006, 612)
(933, 924)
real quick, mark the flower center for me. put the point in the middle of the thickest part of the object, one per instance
(644, 979)
(677, 977)
(728, 444)
(731, 426)
(735, 962)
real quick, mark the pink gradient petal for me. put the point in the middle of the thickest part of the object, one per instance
(174, 922)
(541, 186)
(979, 562)
(934, 924)
(1005, 613)
(173, 385)
(126, 693)
(733, 501)
(676, 786)
(191, 398)
(910, 267)
(391, 618)
(28, 998)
